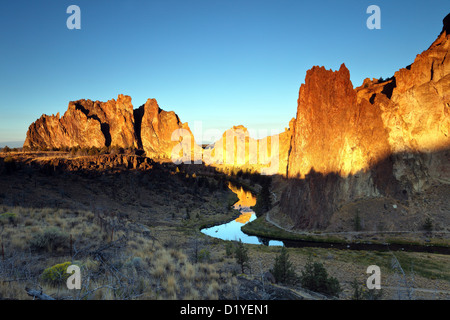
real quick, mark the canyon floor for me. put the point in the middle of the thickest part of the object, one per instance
(136, 233)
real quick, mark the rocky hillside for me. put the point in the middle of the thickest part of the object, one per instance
(386, 138)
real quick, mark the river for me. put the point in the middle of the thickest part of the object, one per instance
(232, 229)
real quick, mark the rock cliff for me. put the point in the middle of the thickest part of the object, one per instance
(98, 124)
(386, 138)
(238, 149)
(156, 128)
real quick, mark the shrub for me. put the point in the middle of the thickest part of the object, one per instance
(360, 294)
(357, 292)
(357, 222)
(241, 255)
(50, 240)
(93, 151)
(428, 225)
(57, 274)
(7, 217)
(74, 150)
(82, 152)
(229, 249)
(10, 164)
(283, 270)
(314, 277)
(104, 150)
(203, 255)
(116, 150)
(6, 149)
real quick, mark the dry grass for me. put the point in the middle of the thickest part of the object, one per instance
(152, 271)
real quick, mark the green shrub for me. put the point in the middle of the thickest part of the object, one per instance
(241, 255)
(49, 240)
(314, 277)
(8, 217)
(428, 225)
(283, 270)
(57, 274)
(203, 255)
(229, 249)
(357, 291)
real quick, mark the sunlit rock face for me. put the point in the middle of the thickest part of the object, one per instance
(418, 112)
(73, 129)
(385, 138)
(86, 123)
(333, 132)
(116, 118)
(161, 131)
(115, 123)
(238, 149)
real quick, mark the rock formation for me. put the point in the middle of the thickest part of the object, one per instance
(333, 133)
(238, 149)
(89, 123)
(86, 124)
(385, 138)
(73, 129)
(160, 131)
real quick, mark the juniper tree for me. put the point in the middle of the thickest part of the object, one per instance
(283, 270)
(315, 277)
(241, 255)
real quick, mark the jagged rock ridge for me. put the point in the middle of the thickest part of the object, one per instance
(237, 148)
(388, 138)
(89, 123)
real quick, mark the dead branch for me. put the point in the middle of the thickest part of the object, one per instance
(38, 294)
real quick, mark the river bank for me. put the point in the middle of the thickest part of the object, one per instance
(383, 241)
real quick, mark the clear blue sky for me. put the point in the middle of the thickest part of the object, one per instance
(221, 62)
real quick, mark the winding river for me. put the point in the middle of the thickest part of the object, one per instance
(232, 229)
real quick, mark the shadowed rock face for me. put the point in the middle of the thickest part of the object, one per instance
(387, 138)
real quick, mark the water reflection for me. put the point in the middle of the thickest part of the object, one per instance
(246, 198)
(232, 229)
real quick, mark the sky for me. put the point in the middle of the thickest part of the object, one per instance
(221, 63)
